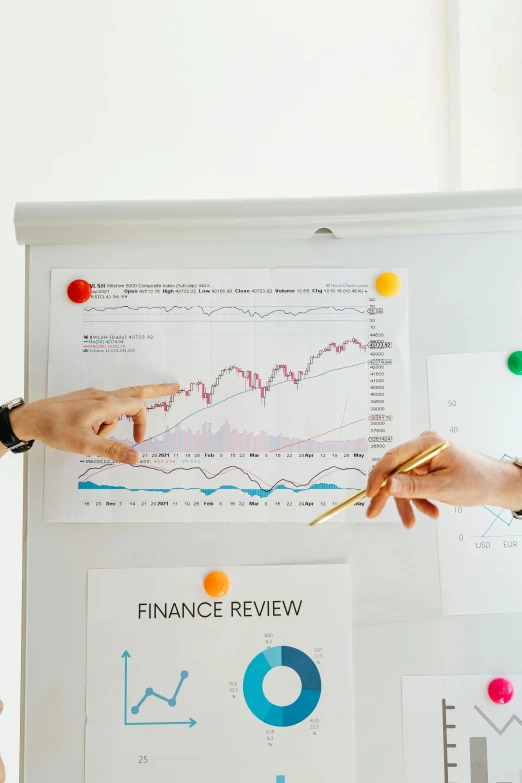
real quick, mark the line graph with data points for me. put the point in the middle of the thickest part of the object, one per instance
(499, 516)
(151, 719)
(292, 383)
(151, 693)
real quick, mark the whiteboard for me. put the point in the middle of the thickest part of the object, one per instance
(463, 253)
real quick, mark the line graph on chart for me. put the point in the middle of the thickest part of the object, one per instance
(499, 522)
(249, 379)
(166, 406)
(229, 478)
(95, 314)
(151, 694)
(500, 730)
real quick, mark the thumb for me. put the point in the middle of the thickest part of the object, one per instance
(111, 449)
(411, 486)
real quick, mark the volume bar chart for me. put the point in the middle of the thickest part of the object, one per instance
(230, 439)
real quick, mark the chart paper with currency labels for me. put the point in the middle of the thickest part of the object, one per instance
(292, 384)
(475, 402)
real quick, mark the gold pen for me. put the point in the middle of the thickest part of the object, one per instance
(413, 463)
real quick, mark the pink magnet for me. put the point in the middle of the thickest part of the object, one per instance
(79, 291)
(500, 690)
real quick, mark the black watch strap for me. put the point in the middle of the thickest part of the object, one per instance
(7, 436)
(518, 463)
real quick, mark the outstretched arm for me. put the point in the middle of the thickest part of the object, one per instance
(82, 421)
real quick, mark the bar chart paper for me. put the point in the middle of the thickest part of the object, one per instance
(454, 733)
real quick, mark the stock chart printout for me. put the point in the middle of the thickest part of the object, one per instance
(255, 686)
(293, 383)
(454, 732)
(475, 401)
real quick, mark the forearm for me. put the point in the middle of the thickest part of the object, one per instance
(3, 450)
(507, 485)
(82, 422)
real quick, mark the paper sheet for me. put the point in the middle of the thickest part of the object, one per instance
(256, 686)
(475, 400)
(454, 733)
(293, 382)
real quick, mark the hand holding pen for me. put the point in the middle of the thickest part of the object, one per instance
(454, 475)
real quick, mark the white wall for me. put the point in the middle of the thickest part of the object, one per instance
(168, 99)
(485, 93)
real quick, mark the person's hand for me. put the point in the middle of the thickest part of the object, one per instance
(82, 421)
(2, 768)
(456, 476)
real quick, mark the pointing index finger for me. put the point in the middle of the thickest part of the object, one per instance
(148, 391)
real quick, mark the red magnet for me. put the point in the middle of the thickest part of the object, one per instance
(501, 691)
(79, 291)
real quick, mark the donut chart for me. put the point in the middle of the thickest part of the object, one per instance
(274, 714)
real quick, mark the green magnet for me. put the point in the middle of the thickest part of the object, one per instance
(514, 362)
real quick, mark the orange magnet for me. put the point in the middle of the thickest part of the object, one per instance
(217, 584)
(388, 284)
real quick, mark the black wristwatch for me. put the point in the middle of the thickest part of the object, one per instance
(518, 463)
(7, 436)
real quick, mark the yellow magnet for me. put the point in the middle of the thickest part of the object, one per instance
(217, 584)
(388, 284)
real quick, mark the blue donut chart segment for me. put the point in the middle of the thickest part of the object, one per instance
(306, 702)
